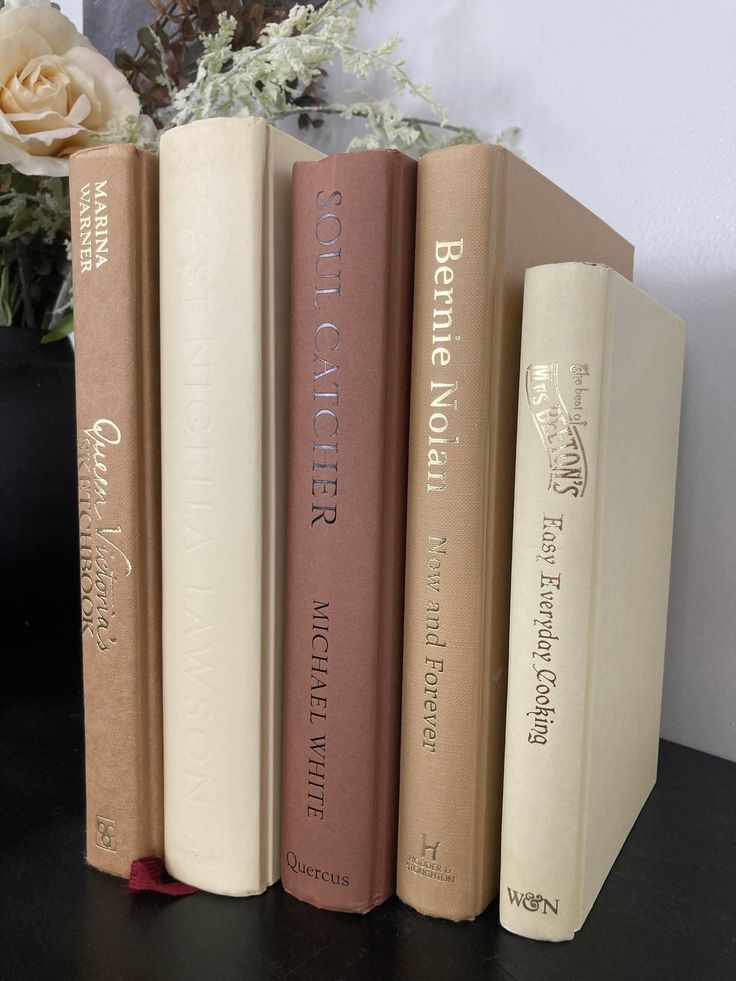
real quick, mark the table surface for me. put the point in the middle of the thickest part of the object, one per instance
(667, 910)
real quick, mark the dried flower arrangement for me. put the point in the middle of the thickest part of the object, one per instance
(198, 58)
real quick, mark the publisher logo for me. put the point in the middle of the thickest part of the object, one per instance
(533, 902)
(426, 864)
(105, 833)
(558, 429)
(311, 871)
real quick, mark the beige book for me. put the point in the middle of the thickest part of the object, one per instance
(225, 245)
(599, 409)
(113, 193)
(483, 217)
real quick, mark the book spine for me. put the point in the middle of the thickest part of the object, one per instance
(353, 243)
(452, 684)
(553, 581)
(114, 194)
(218, 720)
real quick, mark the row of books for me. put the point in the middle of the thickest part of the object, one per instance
(302, 491)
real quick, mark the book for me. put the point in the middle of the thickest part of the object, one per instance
(599, 407)
(225, 233)
(113, 192)
(483, 216)
(353, 255)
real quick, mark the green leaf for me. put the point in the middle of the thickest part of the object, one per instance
(24, 183)
(6, 313)
(188, 30)
(151, 70)
(64, 329)
(9, 297)
(147, 40)
(21, 223)
(125, 62)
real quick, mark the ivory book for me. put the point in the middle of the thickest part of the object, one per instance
(599, 409)
(113, 192)
(352, 262)
(483, 217)
(225, 257)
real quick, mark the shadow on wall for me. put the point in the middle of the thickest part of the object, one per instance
(702, 611)
(115, 25)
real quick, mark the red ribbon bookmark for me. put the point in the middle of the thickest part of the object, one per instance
(147, 875)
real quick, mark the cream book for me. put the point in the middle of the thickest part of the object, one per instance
(225, 255)
(599, 410)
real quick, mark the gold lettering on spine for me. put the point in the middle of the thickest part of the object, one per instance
(102, 559)
(326, 354)
(443, 392)
(558, 428)
(542, 713)
(434, 665)
(325, 368)
(317, 750)
(93, 226)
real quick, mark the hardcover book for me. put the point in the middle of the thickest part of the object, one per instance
(599, 408)
(225, 255)
(483, 217)
(113, 192)
(353, 254)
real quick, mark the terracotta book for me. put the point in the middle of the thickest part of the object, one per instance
(483, 217)
(225, 234)
(113, 192)
(599, 409)
(352, 261)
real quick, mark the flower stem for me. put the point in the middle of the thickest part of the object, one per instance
(337, 111)
(25, 286)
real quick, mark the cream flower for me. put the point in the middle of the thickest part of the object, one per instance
(56, 90)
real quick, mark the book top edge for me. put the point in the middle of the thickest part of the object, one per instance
(215, 122)
(479, 160)
(469, 149)
(388, 152)
(619, 282)
(113, 149)
(384, 157)
(262, 132)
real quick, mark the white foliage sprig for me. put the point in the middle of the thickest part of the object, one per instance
(267, 80)
(43, 211)
(290, 55)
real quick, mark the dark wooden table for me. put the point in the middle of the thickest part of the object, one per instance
(667, 910)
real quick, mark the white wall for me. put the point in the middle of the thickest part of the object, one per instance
(630, 107)
(73, 10)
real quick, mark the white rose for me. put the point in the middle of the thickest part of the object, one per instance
(56, 90)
